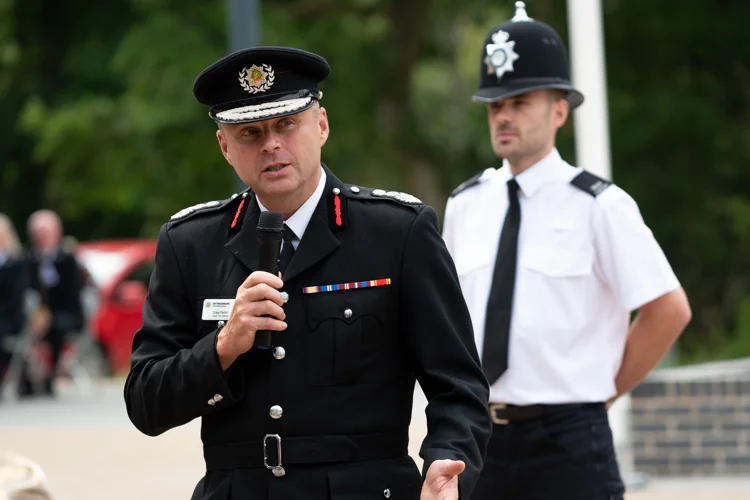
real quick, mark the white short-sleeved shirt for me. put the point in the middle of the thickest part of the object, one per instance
(584, 263)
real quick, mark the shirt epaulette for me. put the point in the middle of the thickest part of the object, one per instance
(201, 208)
(470, 182)
(365, 193)
(590, 183)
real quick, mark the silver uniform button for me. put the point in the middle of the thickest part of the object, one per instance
(218, 398)
(378, 192)
(211, 402)
(354, 189)
(336, 190)
(387, 493)
(276, 411)
(221, 323)
(278, 471)
(348, 313)
(284, 297)
(279, 352)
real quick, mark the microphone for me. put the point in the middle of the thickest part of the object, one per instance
(270, 227)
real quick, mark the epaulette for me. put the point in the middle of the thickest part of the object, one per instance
(201, 208)
(472, 181)
(590, 183)
(364, 193)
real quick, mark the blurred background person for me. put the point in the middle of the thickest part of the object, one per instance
(22, 478)
(14, 279)
(56, 276)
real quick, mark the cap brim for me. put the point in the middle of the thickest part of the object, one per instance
(494, 94)
(265, 111)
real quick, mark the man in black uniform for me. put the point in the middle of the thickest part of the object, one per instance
(368, 303)
(56, 275)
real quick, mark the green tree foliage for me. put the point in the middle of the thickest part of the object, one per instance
(100, 122)
(679, 79)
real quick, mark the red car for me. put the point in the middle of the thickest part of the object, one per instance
(120, 270)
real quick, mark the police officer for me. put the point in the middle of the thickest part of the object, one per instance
(368, 302)
(552, 260)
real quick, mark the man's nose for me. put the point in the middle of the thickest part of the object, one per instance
(271, 143)
(501, 115)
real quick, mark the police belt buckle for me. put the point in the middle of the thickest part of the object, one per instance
(277, 469)
(494, 407)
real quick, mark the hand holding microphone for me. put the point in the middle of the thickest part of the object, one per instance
(257, 310)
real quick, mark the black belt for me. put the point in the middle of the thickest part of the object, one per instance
(274, 450)
(503, 414)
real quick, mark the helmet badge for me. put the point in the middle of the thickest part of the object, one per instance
(501, 55)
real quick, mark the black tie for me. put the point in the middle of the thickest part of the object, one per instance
(287, 250)
(499, 305)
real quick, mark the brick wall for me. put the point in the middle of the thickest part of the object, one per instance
(685, 423)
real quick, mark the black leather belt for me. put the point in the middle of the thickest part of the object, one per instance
(503, 414)
(274, 450)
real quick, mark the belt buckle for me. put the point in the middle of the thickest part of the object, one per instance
(493, 409)
(277, 469)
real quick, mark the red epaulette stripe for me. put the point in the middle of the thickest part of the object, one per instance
(239, 211)
(337, 208)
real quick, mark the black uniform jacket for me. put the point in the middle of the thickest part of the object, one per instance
(14, 280)
(343, 389)
(63, 298)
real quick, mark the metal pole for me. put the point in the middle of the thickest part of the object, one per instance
(243, 22)
(244, 30)
(586, 41)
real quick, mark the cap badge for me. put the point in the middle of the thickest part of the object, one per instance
(257, 79)
(501, 54)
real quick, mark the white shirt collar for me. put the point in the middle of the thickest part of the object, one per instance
(545, 170)
(301, 218)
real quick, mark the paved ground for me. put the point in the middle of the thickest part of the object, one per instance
(90, 451)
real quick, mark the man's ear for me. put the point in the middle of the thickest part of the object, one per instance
(223, 145)
(323, 125)
(560, 112)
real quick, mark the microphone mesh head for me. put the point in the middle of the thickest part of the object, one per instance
(271, 222)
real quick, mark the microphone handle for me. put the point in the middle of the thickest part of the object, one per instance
(268, 261)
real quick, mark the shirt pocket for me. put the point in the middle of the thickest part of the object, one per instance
(474, 255)
(554, 287)
(475, 261)
(347, 335)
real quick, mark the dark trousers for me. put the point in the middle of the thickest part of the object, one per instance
(568, 455)
(55, 339)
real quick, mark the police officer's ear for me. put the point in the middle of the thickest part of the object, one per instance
(559, 108)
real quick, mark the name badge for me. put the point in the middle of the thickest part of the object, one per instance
(217, 309)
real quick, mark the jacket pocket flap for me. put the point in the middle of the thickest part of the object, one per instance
(346, 306)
